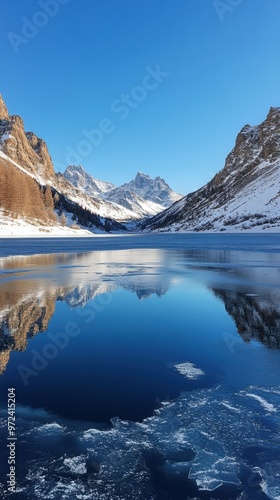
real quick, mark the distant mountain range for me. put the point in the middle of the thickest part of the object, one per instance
(140, 197)
(244, 195)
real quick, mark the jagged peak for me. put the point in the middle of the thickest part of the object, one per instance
(246, 132)
(273, 110)
(4, 114)
(160, 179)
(33, 139)
(75, 168)
(141, 175)
(142, 179)
(249, 129)
(17, 120)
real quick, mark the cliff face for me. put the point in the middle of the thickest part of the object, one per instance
(254, 145)
(26, 149)
(243, 195)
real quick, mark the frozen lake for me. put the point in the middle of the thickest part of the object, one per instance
(145, 367)
(250, 242)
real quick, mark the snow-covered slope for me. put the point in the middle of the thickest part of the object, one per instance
(128, 199)
(96, 204)
(27, 228)
(244, 195)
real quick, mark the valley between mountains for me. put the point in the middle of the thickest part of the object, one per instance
(35, 200)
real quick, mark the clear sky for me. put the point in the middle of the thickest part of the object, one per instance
(71, 67)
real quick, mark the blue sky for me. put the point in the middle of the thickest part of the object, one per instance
(219, 67)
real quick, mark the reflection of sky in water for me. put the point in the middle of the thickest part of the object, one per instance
(141, 313)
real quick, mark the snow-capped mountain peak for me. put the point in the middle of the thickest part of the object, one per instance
(142, 179)
(140, 197)
(152, 190)
(81, 179)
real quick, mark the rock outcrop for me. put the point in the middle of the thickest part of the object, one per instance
(25, 148)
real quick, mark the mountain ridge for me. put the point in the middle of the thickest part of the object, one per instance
(142, 197)
(76, 194)
(245, 194)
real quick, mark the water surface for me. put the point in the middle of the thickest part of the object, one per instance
(149, 371)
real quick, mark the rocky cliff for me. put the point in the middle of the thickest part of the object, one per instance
(25, 148)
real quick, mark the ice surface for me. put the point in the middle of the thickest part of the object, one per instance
(211, 471)
(267, 406)
(189, 370)
(77, 465)
(49, 428)
(207, 436)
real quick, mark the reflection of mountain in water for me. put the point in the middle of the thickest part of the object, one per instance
(21, 321)
(27, 305)
(256, 318)
(145, 294)
(23, 316)
(31, 286)
(144, 289)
